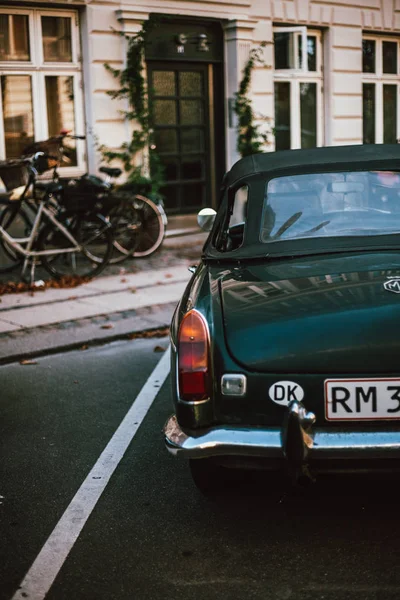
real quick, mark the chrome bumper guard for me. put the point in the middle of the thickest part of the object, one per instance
(297, 441)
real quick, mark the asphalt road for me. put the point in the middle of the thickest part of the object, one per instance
(151, 535)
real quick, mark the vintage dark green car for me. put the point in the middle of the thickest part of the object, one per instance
(286, 342)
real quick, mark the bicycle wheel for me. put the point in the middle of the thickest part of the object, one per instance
(126, 224)
(93, 234)
(16, 222)
(145, 231)
(152, 226)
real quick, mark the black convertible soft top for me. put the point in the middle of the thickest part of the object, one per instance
(369, 156)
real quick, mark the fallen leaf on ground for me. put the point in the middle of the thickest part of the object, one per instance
(123, 280)
(84, 347)
(108, 326)
(28, 362)
(133, 290)
(72, 297)
(151, 333)
(159, 349)
(67, 281)
(168, 275)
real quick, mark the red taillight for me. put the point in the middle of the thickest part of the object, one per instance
(193, 357)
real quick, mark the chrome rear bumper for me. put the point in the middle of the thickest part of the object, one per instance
(272, 442)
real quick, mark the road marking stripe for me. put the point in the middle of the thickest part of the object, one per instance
(52, 556)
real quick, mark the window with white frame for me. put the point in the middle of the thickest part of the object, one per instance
(40, 79)
(380, 90)
(298, 88)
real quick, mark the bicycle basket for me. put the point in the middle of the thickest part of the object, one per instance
(83, 193)
(13, 174)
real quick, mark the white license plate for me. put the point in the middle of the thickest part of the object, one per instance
(362, 399)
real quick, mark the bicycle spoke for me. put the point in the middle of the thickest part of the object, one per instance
(94, 239)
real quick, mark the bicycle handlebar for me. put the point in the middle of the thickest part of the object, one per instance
(64, 133)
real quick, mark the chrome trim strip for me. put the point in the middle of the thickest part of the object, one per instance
(267, 443)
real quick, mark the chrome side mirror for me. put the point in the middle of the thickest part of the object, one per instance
(206, 218)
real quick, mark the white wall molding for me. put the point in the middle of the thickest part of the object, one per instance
(131, 20)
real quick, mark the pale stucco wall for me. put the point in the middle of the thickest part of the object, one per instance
(247, 23)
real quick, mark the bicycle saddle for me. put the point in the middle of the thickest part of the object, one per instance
(110, 171)
(49, 186)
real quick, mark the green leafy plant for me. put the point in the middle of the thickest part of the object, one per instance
(251, 138)
(138, 156)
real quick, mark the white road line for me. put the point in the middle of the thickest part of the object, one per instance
(52, 556)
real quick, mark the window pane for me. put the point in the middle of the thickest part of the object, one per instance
(190, 83)
(16, 95)
(308, 114)
(57, 43)
(239, 212)
(311, 52)
(191, 112)
(166, 140)
(368, 47)
(61, 112)
(171, 169)
(164, 112)
(282, 115)
(164, 83)
(192, 140)
(365, 203)
(283, 48)
(193, 195)
(192, 169)
(369, 113)
(14, 37)
(389, 114)
(389, 57)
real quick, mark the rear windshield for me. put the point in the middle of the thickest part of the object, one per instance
(331, 205)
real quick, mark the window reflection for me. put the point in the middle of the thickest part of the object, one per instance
(389, 57)
(369, 113)
(61, 111)
(14, 37)
(57, 42)
(283, 49)
(16, 95)
(308, 114)
(389, 114)
(327, 205)
(368, 56)
(311, 52)
(282, 115)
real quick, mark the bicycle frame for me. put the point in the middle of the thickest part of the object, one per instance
(16, 243)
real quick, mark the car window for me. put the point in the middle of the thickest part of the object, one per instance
(239, 206)
(330, 205)
(234, 236)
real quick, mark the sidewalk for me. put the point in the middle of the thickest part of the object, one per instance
(132, 297)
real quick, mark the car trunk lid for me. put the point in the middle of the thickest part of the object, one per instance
(329, 320)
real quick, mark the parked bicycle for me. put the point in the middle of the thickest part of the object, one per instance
(65, 240)
(138, 222)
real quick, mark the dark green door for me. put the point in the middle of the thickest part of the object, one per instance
(181, 97)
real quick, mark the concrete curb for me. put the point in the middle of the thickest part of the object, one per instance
(67, 336)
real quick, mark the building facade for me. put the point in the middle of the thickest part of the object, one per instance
(329, 76)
